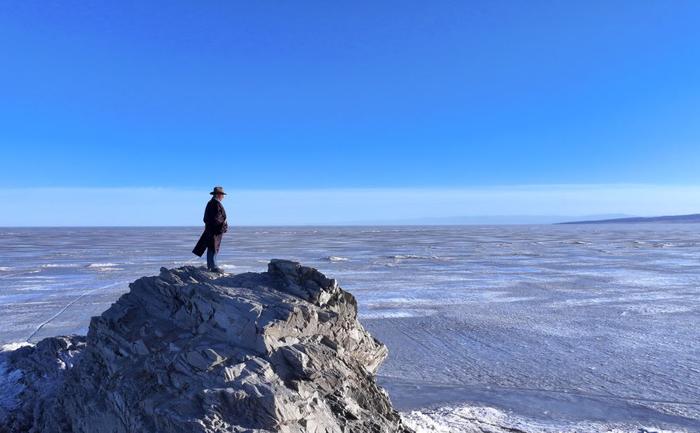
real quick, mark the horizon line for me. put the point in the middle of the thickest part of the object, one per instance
(494, 205)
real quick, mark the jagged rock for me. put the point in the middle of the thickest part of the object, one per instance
(191, 351)
(33, 377)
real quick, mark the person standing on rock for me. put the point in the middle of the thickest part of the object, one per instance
(215, 225)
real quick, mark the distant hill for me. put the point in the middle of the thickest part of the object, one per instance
(693, 218)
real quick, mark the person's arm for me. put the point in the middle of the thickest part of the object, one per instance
(209, 219)
(224, 228)
(219, 222)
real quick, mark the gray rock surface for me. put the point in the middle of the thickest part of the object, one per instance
(192, 351)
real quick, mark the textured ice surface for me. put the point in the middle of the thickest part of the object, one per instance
(583, 326)
(476, 419)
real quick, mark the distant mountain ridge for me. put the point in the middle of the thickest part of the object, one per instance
(691, 218)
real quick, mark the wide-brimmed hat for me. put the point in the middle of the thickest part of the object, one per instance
(218, 190)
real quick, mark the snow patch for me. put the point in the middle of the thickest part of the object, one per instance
(60, 265)
(412, 257)
(480, 419)
(101, 265)
(14, 346)
(335, 259)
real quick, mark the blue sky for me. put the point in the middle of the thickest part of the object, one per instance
(347, 97)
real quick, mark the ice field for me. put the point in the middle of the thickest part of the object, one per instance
(489, 328)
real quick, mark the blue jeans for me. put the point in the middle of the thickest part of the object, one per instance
(211, 259)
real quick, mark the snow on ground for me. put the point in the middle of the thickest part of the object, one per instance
(475, 419)
(568, 326)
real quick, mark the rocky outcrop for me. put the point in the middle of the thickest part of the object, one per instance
(191, 351)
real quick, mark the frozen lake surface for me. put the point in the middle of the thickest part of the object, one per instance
(531, 328)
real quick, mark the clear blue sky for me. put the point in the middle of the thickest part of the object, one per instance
(307, 95)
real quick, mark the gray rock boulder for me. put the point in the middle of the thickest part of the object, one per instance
(192, 351)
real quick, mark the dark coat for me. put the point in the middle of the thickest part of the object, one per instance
(215, 225)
